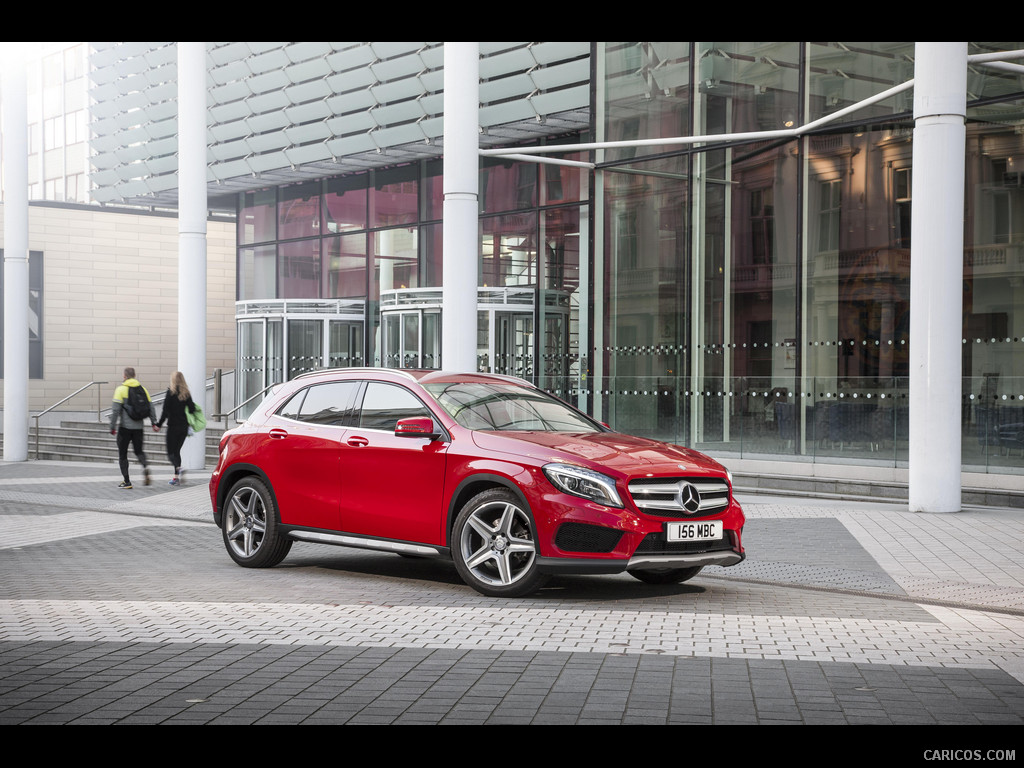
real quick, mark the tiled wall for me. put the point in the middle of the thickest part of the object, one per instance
(110, 299)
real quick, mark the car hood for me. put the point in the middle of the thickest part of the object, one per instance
(601, 450)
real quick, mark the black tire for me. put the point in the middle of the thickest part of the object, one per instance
(494, 545)
(250, 526)
(667, 575)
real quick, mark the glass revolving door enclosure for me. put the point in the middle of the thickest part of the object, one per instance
(506, 330)
(278, 340)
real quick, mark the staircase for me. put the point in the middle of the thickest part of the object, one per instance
(92, 441)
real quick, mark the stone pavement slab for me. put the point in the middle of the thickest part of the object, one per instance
(122, 607)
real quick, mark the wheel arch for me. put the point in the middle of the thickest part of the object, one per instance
(232, 475)
(476, 484)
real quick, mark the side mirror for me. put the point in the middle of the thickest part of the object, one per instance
(416, 426)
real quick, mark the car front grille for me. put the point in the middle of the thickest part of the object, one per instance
(680, 496)
(655, 544)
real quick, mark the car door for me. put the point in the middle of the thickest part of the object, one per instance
(302, 453)
(392, 487)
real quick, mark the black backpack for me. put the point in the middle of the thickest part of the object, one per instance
(136, 405)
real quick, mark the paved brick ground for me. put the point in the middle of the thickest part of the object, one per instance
(122, 607)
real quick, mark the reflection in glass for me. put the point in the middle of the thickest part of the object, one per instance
(299, 269)
(257, 272)
(757, 82)
(346, 343)
(993, 348)
(509, 250)
(345, 204)
(250, 362)
(305, 345)
(394, 197)
(508, 407)
(384, 404)
(257, 216)
(646, 282)
(345, 267)
(842, 74)
(647, 93)
(298, 210)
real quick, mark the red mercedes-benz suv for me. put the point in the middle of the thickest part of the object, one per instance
(511, 483)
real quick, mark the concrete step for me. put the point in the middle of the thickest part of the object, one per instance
(864, 490)
(92, 441)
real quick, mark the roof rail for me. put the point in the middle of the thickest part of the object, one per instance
(366, 369)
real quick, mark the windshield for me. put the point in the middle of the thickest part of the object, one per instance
(508, 407)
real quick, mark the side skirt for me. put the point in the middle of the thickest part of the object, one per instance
(360, 542)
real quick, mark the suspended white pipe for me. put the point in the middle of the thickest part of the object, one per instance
(782, 133)
(547, 160)
(996, 56)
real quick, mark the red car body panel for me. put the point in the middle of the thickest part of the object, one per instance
(375, 486)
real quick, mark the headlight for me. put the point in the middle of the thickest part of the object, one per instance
(585, 483)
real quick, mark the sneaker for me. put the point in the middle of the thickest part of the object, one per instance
(127, 486)
(173, 481)
(145, 474)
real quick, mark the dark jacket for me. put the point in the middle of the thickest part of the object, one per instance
(173, 412)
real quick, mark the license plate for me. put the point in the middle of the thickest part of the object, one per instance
(694, 531)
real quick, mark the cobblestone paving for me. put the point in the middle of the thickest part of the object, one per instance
(122, 607)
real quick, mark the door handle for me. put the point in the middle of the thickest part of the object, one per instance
(278, 434)
(358, 442)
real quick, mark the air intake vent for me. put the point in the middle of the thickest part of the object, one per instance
(655, 544)
(579, 537)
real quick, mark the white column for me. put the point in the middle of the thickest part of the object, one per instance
(15, 135)
(192, 234)
(936, 275)
(460, 274)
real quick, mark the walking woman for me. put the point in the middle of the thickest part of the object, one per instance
(176, 401)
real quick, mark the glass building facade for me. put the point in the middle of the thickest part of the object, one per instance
(746, 297)
(347, 272)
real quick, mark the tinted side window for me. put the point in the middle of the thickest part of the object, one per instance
(329, 404)
(385, 404)
(290, 410)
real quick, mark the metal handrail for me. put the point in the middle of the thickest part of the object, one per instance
(219, 416)
(99, 407)
(211, 383)
(154, 399)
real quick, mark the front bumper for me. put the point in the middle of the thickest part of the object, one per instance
(637, 563)
(576, 536)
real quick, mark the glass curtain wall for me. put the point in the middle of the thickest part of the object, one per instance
(347, 272)
(854, 403)
(993, 343)
(313, 259)
(642, 367)
(532, 280)
(746, 248)
(754, 295)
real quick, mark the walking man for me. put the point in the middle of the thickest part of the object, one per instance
(132, 405)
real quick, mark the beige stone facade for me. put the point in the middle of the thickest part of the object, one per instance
(110, 299)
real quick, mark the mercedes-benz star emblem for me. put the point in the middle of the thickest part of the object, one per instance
(689, 498)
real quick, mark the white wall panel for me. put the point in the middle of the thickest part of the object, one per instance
(274, 107)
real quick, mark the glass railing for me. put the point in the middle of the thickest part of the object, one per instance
(856, 421)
